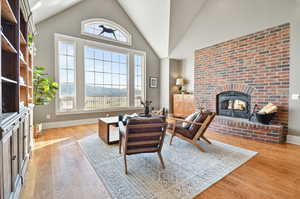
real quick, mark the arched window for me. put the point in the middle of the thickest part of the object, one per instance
(105, 29)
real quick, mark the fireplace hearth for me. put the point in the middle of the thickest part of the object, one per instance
(233, 104)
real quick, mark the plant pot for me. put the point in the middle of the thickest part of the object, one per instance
(37, 130)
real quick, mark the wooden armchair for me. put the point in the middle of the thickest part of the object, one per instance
(142, 136)
(194, 135)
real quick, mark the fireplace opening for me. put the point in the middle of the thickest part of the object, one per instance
(233, 104)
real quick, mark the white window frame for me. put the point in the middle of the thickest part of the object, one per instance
(79, 50)
(106, 22)
(66, 40)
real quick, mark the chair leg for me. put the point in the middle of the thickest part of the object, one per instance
(204, 138)
(125, 164)
(199, 147)
(171, 139)
(161, 160)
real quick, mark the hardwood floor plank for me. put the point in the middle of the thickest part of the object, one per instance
(60, 170)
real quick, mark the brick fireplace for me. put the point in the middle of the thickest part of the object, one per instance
(257, 67)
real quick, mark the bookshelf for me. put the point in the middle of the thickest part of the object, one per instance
(16, 59)
(16, 109)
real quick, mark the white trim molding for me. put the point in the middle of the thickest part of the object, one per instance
(293, 139)
(61, 124)
(110, 23)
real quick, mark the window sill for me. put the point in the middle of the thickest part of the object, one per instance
(101, 111)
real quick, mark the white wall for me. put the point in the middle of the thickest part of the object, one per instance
(170, 70)
(220, 20)
(164, 82)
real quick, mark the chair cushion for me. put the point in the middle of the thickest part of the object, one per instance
(189, 118)
(184, 132)
(199, 119)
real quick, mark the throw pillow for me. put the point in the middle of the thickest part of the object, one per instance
(199, 119)
(190, 118)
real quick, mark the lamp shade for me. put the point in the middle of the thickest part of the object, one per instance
(179, 81)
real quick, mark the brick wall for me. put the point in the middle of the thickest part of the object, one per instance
(257, 64)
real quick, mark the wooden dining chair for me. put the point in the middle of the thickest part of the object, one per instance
(142, 136)
(192, 135)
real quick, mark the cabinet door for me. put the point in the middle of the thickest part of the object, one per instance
(189, 104)
(7, 158)
(20, 134)
(178, 105)
(15, 156)
(30, 137)
(26, 136)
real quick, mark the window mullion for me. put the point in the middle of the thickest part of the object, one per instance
(131, 76)
(80, 77)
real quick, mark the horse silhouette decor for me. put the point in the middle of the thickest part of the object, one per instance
(108, 30)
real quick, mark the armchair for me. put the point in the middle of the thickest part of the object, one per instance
(195, 131)
(142, 135)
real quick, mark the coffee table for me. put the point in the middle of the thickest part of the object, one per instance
(104, 126)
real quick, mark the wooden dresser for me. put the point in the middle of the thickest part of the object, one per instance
(183, 105)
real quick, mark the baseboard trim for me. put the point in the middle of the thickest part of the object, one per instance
(60, 124)
(293, 139)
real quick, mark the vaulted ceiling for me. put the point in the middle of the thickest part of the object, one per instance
(43, 9)
(162, 22)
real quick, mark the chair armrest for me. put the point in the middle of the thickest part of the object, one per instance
(181, 120)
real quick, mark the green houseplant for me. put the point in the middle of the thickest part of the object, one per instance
(44, 90)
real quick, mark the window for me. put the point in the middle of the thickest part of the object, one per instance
(106, 79)
(97, 77)
(105, 29)
(66, 52)
(138, 80)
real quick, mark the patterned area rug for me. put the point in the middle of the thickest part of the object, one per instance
(188, 170)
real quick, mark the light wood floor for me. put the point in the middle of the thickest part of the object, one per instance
(60, 170)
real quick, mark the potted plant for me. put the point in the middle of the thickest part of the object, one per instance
(44, 90)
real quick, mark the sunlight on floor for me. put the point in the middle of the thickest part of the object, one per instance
(41, 144)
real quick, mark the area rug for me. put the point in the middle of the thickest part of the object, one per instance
(188, 171)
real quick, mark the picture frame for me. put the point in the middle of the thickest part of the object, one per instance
(153, 82)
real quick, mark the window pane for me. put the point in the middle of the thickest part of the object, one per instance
(71, 62)
(123, 68)
(115, 57)
(107, 56)
(99, 29)
(89, 78)
(62, 48)
(116, 79)
(63, 76)
(71, 76)
(99, 78)
(70, 50)
(115, 68)
(98, 54)
(123, 58)
(63, 61)
(66, 52)
(89, 64)
(98, 66)
(123, 80)
(89, 52)
(107, 78)
(138, 80)
(102, 85)
(107, 67)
